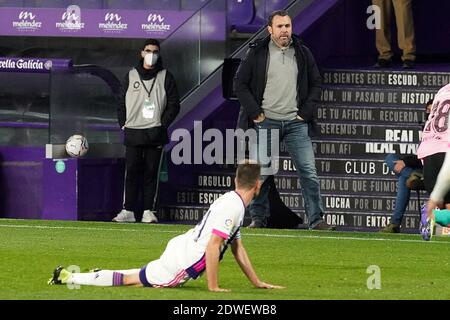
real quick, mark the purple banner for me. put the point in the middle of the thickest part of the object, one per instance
(36, 65)
(76, 22)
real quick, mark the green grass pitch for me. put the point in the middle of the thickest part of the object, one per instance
(311, 264)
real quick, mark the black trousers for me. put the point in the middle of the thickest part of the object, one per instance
(142, 164)
(431, 167)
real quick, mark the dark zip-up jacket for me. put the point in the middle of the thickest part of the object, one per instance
(156, 135)
(251, 77)
(412, 161)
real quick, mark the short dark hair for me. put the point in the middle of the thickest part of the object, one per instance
(429, 102)
(281, 13)
(153, 42)
(247, 174)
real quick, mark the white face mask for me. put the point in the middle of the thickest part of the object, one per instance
(151, 58)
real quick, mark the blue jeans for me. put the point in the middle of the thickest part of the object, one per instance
(403, 192)
(294, 134)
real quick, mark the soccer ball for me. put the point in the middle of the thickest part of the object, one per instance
(77, 146)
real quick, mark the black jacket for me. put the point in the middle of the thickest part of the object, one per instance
(412, 161)
(251, 76)
(157, 135)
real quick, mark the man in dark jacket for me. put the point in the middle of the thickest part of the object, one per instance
(403, 166)
(149, 104)
(278, 85)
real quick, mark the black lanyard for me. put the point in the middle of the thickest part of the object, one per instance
(153, 84)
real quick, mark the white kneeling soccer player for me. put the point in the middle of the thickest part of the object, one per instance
(188, 255)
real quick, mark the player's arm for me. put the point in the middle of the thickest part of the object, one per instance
(212, 263)
(241, 256)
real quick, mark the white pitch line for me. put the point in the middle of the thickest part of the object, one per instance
(79, 228)
(343, 238)
(246, 234)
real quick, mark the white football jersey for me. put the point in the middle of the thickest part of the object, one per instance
(224, 218)
(184, 257)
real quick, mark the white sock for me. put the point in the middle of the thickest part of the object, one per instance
(103, 278)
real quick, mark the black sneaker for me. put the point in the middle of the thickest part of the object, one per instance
(408, 64)
(323, 226)
(54, 279)
(383, 63)
(391, 228)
